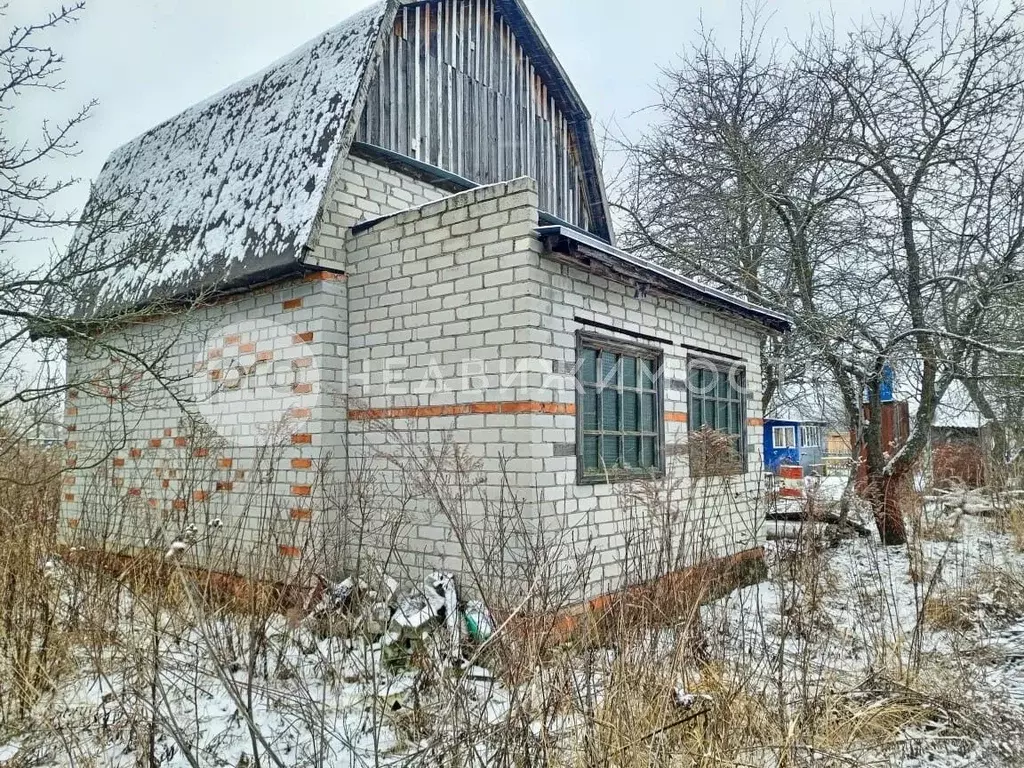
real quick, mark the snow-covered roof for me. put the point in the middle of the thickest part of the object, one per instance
(956, 409)
(232, 187)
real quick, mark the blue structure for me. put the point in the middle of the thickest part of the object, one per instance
(792, 441)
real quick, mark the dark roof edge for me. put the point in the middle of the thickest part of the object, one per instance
(151, 307)
(571, 238)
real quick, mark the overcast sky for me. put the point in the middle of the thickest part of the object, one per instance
(146, 60)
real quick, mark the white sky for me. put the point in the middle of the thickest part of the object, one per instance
(146, 60)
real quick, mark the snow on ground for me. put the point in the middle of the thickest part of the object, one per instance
(930, 636)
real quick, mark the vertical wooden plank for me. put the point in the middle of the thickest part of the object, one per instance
(450, 138)
(392, 93)
(415, 144)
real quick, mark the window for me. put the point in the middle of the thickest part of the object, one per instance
(784, 437)
(620, 417)
(717, 418)
(811, 437)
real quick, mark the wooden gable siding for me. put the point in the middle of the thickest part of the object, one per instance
(456, 90)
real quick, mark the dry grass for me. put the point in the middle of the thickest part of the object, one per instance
(761, 680)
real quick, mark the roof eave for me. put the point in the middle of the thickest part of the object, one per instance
(568, 240)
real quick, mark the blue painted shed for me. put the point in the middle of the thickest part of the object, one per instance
(793, 441)
(795, 427)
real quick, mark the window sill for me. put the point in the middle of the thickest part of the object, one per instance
(611, 478)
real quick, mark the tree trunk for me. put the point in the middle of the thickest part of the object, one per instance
(887, 494)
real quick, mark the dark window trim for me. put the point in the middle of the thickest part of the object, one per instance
(710, 363)
(583, 477)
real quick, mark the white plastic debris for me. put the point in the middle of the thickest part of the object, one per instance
(176, 550)
(437, 600)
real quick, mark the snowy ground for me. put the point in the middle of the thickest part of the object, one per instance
(911, 656)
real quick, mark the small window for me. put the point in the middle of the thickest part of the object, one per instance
(717, 418)
(619, 412)
(784, 437)
(811, 437)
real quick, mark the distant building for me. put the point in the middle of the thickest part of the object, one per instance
(795, 429)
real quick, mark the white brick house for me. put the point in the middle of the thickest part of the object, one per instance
(392, 243)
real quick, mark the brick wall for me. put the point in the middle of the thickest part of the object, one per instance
(150, 458)
(435, 296)
(221, 414)
(690, 519)
(462, 333)
(362, 191)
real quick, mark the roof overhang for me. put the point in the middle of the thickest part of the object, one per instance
(572, 242)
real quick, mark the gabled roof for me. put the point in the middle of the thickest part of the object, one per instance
(230, 192)
(232, 187)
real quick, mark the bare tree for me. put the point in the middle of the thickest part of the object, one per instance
(884, 176)
(43, 298)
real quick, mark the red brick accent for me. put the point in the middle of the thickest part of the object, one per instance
(181, 442)
(118, 462)
(291, 304)
(180, 504)
(73, 522)
(71, 463)
(289, 551)
(156, 442)
(70, 411)
(232, 340)
(302, 338)
(154, 503)
(134, 491)
(135, 453)
(752, 422)
(71, 428)
(215, 375)
(70, 445)
(301, 490)
(669, 596)
(313, 277)
(69, 497)
(69, 480)
(676, 418)
(300, 413)
(302, 463)
(302, 514)
(72, 394)
(225, 485)
(215, 354)
(168, 432)
(303, 438)
(225, 463)
(200, 496)
(117, 482)
(201, 453)
(165, 483)
(247, 348)
(302, 389)
(264, 356)
(430, 411)
(302, 362)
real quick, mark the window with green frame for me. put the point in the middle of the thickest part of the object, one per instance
(717, 418)
(619, 411)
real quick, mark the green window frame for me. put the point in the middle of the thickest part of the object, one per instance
(620, 416)
(717, 417)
